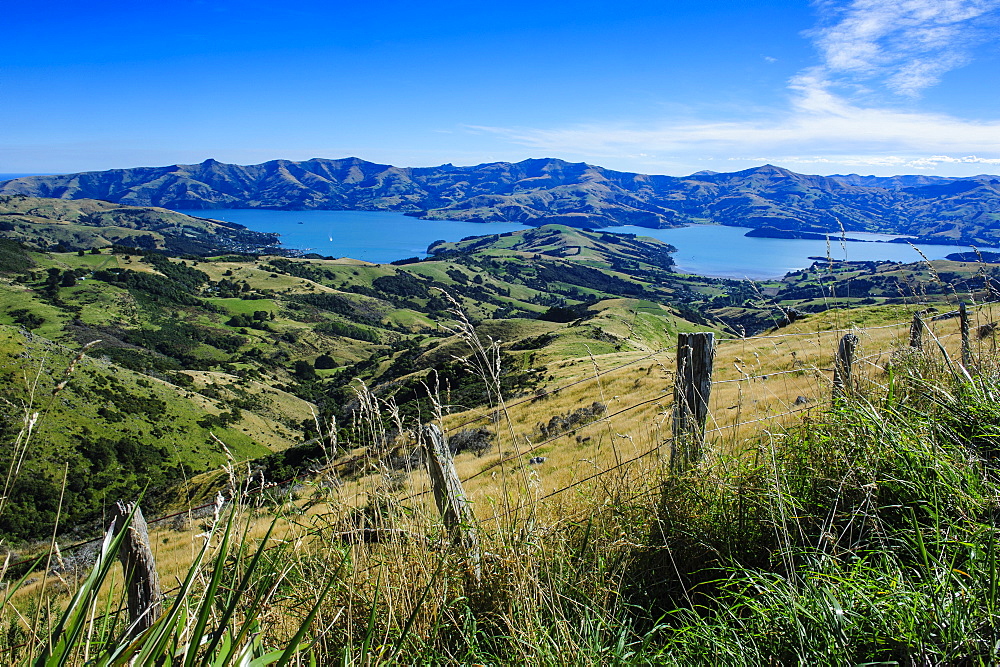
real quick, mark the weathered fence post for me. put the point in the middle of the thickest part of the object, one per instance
(142, 582)
(963, 315)
(842, 370)
(450, 497)
(917, 332)
(692, 389)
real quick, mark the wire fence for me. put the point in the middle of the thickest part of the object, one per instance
(755, 379)
(754, 383)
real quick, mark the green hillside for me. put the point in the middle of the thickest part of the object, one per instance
(259, 353)
(297, 387)
(109, 431)
(83, 224)
(191, 358)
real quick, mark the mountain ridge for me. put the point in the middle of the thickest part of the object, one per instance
(545, 190)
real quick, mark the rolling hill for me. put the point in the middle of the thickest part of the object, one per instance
(194, 362)
(201, 359)
(88, 223)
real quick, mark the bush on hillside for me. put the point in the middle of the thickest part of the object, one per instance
(14, 257)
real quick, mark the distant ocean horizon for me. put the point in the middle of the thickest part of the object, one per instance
(7, 177)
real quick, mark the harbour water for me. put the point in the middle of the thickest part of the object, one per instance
(724, 252)
(709, 250)
(373, 236)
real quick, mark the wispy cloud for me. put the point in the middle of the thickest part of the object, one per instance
(818, 123)
(905, 44)
(894, 161)
(900, 47)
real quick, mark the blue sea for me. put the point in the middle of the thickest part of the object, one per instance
(7, 177)
(708, 250)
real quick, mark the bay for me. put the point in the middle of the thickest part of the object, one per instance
(373, 236)
(724, 252)
(708, 250)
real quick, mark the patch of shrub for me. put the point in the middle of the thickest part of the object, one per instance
(13, 257)
(475, 440)
(26, 318)
(562, 423)
(347, 331)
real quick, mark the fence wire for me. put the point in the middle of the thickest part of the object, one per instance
(821, 347)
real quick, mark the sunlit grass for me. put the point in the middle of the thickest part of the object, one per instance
(810, 533)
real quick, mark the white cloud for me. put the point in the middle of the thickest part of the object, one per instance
(906, 44)
(903, 45)
(819, 122)
(895, 161)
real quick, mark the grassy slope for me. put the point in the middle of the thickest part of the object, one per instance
(763, 378)
(855, 534)
(89, 223)
(115, 430)
(412, 332)
(253, 377)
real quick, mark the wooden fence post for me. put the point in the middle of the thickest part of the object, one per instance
(450, 497)
(692, 389)
(917, 332)
(842, 380)
(963, 315)
(142, 582)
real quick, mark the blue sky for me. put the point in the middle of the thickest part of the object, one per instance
(675, 86)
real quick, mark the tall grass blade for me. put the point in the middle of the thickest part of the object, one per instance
(64, 637)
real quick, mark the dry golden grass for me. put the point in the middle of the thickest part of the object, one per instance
(610, 458)
(757, 383)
